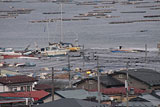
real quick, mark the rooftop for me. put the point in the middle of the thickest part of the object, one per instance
(16, 79)
(33, 94)
(71, 102)
(147, 76)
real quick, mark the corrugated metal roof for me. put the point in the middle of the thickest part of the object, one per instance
(155, 101)
(80, 94)
(70, 102)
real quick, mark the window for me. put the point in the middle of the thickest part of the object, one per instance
(121, 76)
(14, 89)
(28, 88)
(22, 88)
(47, 48)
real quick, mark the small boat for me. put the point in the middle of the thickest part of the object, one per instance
(27, 64)
(53, 50)
(70, 47)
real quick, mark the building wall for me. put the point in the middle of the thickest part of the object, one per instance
(132, 82)
(89, 85)
(17, 87)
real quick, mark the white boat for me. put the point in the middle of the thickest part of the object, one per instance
(9, 51)
(53, 51)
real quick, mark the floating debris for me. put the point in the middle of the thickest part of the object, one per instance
(107, 16)
(86, 3)
(151, 16)
(58, 19)
(134, 12)
(53, 12)
(9, 1)
(122, 22)
(102, 6)
(154, 8)
(17, 11)
(147, 6)
(8, 16)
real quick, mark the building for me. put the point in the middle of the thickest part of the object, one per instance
(77, 94)
(145, 79)
(17, 83)
(105, 82)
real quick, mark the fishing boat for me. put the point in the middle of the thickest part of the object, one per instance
(53, 50)
(69, 46)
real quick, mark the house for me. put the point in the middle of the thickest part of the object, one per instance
(17, 83)
(105, 82)
(71, 102)
(145, 79)
(75, 93)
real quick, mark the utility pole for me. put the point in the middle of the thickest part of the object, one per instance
(70, 84)
(146, 53)
(126, 84)
(52, 84)
(98, 77)
(83, 57)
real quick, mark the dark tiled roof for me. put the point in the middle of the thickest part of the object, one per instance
(109, 81)
(105, 80)
(121, 90)
(71, 102)
(42, 87)
(147, 76)
(17, 79)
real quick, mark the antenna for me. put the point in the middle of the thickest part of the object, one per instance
(61, 39)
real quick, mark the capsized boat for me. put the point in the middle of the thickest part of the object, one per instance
(53, 50)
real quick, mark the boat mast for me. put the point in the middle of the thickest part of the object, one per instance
(61, 39)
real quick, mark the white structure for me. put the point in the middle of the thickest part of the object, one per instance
(17, 83)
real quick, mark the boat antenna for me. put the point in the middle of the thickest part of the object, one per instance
(48, 29)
